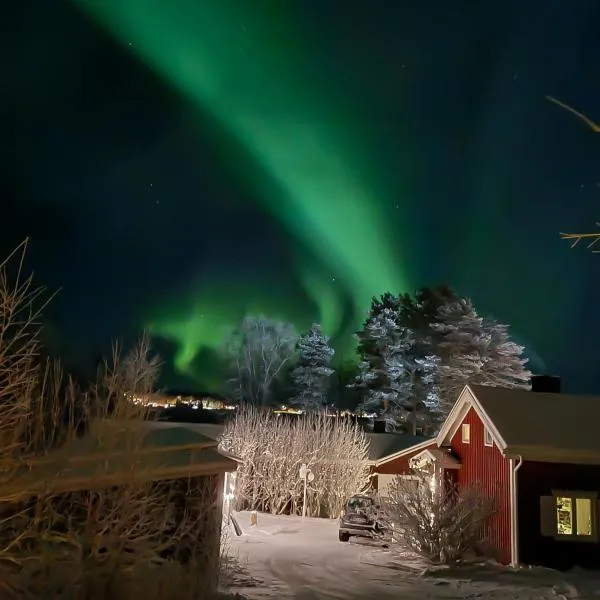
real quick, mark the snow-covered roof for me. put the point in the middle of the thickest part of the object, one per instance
(211, 430)
(115, 452)
(388, 445)
(543, 426)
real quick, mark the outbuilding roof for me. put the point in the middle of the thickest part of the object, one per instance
(117, 452)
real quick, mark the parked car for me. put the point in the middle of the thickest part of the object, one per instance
(361, 518)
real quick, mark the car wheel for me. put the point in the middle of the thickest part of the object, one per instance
(344, 537)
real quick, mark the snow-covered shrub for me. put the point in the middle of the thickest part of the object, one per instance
(440, 523)
(272, 449)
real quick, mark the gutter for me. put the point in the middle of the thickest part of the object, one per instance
(514, 512)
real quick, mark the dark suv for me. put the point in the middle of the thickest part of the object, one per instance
(360, 518)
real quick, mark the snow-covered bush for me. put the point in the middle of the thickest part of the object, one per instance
(272, 449)
(442, 524)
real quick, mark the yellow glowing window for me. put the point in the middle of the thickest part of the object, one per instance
(564, 516)
(583, 514)
(574, 516)
(466, 433)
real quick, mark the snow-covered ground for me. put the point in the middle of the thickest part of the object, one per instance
(287, 557)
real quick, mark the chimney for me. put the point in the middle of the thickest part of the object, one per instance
(548, 384)
(379, 426)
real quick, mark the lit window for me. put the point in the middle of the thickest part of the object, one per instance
(487, 437)
(583, 511)
(564, 516)
(574, 515)
(466, 433)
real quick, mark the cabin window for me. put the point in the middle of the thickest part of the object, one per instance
(568, 515)
(466, 433)
(487, 437)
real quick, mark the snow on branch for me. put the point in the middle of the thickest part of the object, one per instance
(273, 449)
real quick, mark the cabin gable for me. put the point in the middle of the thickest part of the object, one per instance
(384, 471)
(484, 466)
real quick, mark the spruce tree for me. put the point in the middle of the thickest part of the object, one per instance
(311, 375)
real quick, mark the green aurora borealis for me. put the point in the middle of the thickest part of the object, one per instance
(255, 80)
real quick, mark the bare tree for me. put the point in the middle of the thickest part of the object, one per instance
(119, 533)
(272, 450)
(21, 305)
(259, 350)
(440, 524)
(591, 238)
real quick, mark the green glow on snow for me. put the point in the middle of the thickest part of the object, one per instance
(245, 64)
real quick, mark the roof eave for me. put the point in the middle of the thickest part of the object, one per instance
(466, 400)
(400, 453)
(553, 455)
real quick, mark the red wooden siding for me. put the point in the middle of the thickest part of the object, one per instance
(396, 466)
(485, 466)
(399, 466)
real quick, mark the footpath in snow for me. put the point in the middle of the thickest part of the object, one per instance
(288, 557)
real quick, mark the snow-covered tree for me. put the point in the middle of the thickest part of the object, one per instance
(461, 345)
(311, 376)
(374, 337)
(475, 350)
(412, 371)
(259, 350)
(400, 385)
(503, 362)
(375, 340)
(419, 352)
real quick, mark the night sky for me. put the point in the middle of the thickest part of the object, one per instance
(178, 164)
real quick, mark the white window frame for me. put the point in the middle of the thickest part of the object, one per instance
(577, 495)
(487, 437)
(465, 432)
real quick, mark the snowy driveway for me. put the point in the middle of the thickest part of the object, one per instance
(287, 557)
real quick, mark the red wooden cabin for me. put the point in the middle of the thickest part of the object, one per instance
(390, 455)
(538, 455)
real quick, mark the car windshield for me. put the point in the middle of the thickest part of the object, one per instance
(359, 503)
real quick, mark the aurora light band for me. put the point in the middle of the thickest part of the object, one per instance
(252, 78)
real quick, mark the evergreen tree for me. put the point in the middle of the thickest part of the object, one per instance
(503, 362)
(461, 343)
(418, 352)
(310, 377)
(375, 340)
(412, 371)
(399, 375)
